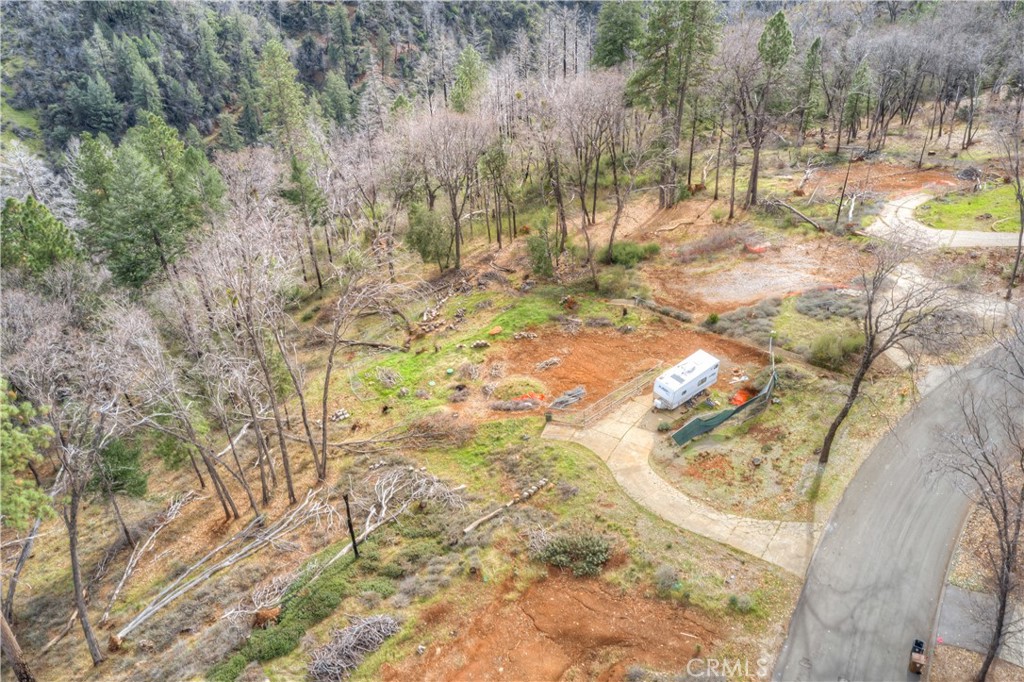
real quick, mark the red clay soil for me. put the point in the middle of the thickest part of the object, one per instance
(891, 179)
(603, 359)
(561, 628)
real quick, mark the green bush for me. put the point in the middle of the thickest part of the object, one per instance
(539, 251)
(584, 553)
(711, 320)
(382, 586)
(119, 464)
(831, 350)
(664, 426)
(229, 670)
(629, 254)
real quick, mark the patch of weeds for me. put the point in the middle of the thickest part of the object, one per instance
(825, 304)
(753, 322)
(665, 579)
(713, 243)
(621, 282)
(831, 350)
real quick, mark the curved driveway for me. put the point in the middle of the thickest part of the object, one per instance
(898, 216)
(875, 579)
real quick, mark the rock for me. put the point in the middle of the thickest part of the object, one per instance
(480, 344)
(420, 650)
(494, 331)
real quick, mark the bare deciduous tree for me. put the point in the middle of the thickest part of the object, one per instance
(899, 305)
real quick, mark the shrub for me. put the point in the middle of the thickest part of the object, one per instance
(718, 215)
(665, 578)
(742, 603)
(584, 553)
(382, 586)
(831, 351)
(619, 282)
(664, 426)
(628, 254)
(711, 320)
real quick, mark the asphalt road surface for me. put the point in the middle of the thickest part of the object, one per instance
(874, 581)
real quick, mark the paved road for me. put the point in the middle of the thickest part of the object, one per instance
(897, 216)
(876, 576)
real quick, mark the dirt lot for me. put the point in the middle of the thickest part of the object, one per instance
(561, 628)
(736, 279)
(894, 180)
(603, 359)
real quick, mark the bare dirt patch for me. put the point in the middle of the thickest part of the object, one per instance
(741, 278)
(603, 359)
(891, 179)
(562, 628)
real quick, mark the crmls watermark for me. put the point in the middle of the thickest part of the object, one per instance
(727, 669)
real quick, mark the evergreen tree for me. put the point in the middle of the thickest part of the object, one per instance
(229, 138)
(20, 440)
(144, 199)
(281, 97)
(619, 28)
(211, 70)
(145, 92)
(120, 470)
(96, 107)
(31, 239)
(470, 74)
(336, 98)
(678, 40)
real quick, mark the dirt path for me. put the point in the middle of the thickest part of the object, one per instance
(625, 447)
(897, 217)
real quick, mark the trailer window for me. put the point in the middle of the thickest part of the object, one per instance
(702, 381)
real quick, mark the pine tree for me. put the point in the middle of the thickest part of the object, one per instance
(470, 73)
(143, 200)
(678, 40)
(96, 106)
(229, 138)
(281, 98)
(20, 440)
(619, 27)
(336, 98)
(31, 239)
(145, 92)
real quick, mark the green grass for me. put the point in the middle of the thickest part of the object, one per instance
(960, 211)
(798, 332)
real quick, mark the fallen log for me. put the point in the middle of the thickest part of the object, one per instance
(776, 202)
(522, 497)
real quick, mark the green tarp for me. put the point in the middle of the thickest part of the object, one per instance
(701, 425)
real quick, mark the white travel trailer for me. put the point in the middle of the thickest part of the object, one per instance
(684, 381)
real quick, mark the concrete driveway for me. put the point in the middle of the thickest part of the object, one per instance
(897, 217)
